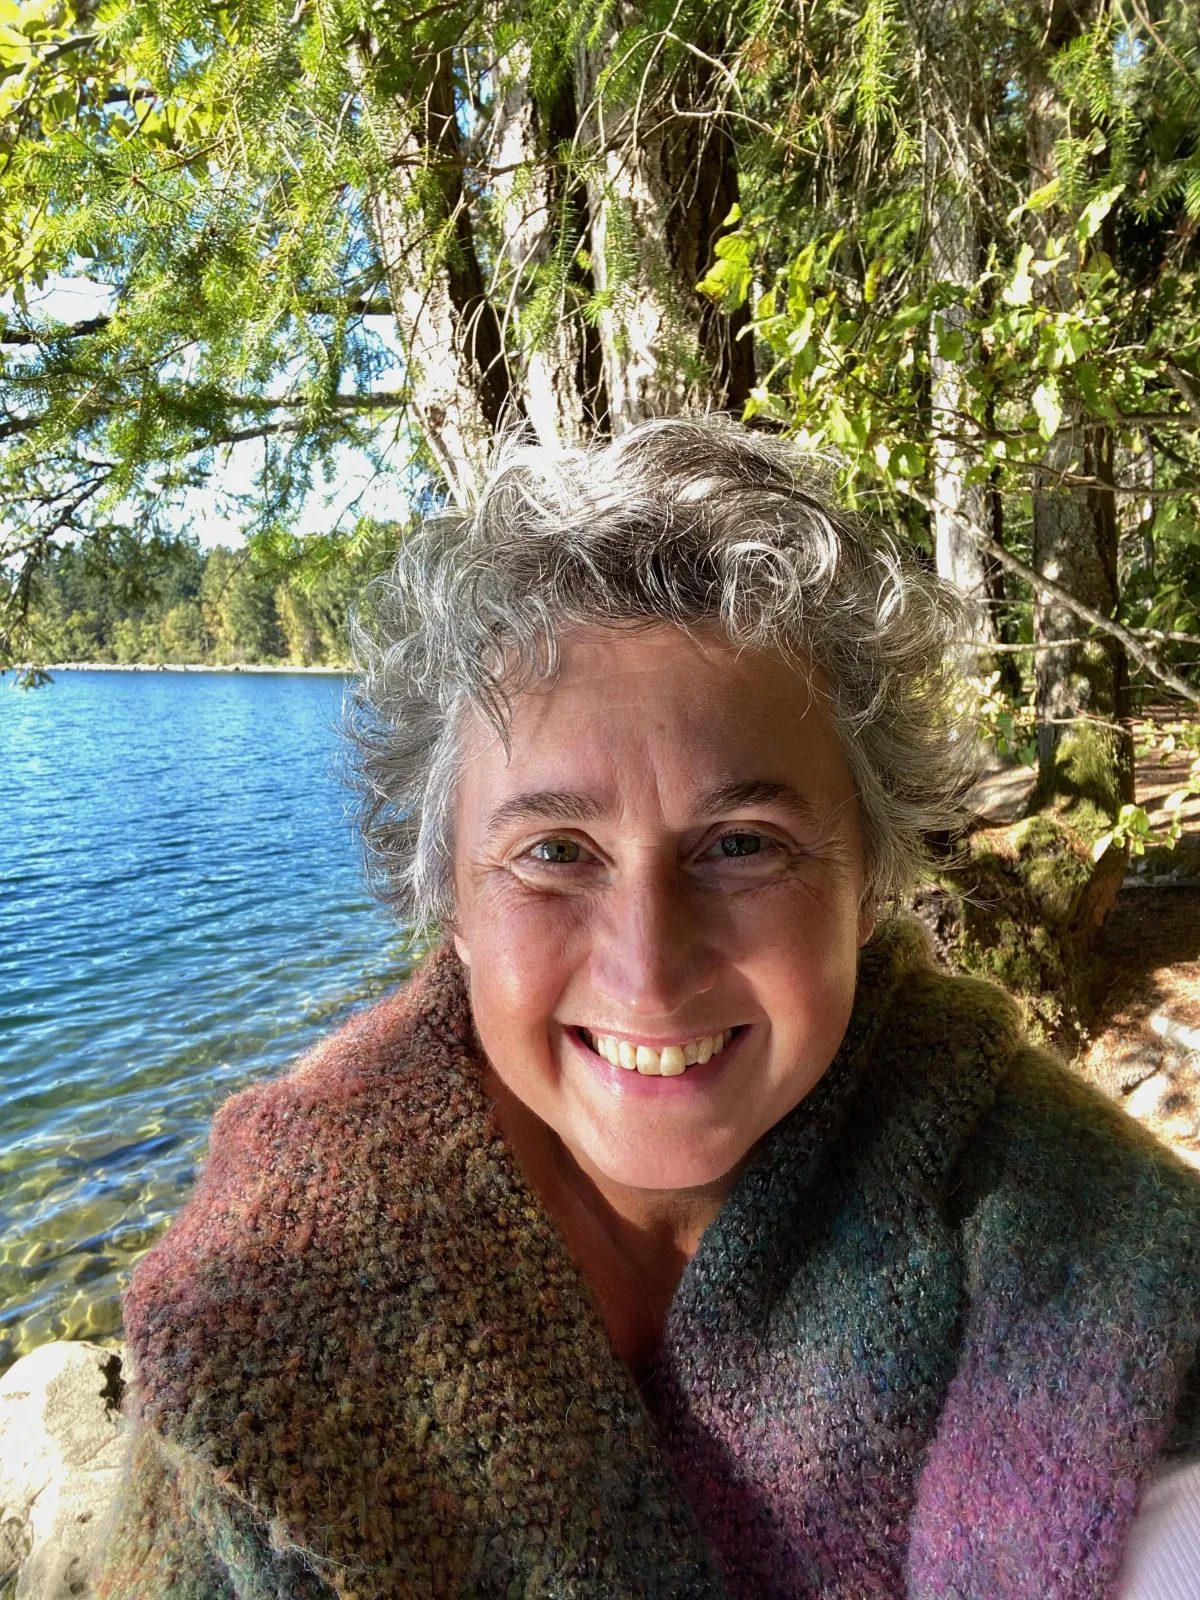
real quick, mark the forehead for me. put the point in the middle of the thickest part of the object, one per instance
(656, 716)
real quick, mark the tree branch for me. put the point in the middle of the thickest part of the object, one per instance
(78, 330)
(386, 401)
(1117, 630)
(241, 436)
(79, 41)
(73, 330)
(9, 430)
(1186, 388)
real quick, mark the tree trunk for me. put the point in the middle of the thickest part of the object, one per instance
(544, 221)
(1136, 511)
(591, 320)
(1085, 750)
(456, 368)
(1029, 899)
(962, 514)
(1084, 754)
(659, 190)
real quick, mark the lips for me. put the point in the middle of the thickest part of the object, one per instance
(670, 1061)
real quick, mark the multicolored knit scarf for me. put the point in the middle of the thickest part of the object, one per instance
(932, 1345)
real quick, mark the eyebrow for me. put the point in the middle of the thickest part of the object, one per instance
(738, 795)
(558, 805)
(567, 805)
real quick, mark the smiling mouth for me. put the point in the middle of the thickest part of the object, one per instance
(669, 1062)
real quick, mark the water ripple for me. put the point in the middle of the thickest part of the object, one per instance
(181, 912)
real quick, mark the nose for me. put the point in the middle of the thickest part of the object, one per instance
(653, 949)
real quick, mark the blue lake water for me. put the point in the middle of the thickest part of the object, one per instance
(181, 911)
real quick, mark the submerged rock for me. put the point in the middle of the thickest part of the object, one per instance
(61, 1454)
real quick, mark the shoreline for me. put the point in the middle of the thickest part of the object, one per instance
(176, 666)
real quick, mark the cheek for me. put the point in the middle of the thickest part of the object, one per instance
(800, 952)
(520, 954)
(810, 922)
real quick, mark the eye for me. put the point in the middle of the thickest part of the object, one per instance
(741, 844)
(559, 852)
(747, 854)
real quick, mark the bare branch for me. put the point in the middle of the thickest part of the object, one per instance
(1116, 630)
(9, 430)
(1187, 389)
(80, 41)
(358, 307)
(73, 330)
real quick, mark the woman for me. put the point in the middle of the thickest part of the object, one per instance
(680, 1230)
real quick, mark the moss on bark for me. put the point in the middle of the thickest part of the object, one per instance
(1023, 905)
(1088, 778)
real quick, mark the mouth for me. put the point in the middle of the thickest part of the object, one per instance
(669, 1061)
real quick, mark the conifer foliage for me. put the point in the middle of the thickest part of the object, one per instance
(952, 245)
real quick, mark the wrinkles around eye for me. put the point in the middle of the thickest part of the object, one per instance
(768, 851)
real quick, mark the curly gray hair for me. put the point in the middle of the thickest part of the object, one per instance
(678, 521)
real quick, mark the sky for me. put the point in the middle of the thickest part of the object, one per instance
(208, 512)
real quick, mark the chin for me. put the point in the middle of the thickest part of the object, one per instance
(682, 1168)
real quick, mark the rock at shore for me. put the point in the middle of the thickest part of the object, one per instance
(61, 1454)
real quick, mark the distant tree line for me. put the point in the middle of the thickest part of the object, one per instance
(180, 604)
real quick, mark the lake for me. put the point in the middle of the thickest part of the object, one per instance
(182, 911)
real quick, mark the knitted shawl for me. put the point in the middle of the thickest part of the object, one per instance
(933, 1344)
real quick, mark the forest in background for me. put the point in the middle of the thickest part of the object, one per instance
(180, 604)
(951, 246)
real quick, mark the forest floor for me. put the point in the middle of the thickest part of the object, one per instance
(1143, 1029)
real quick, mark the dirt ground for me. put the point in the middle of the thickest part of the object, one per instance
(1148, 979)
(1143, 1046)
(1145, 1032)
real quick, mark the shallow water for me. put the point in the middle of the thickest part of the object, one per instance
(181, 912)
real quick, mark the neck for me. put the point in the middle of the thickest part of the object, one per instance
(657, 1222)
(632, 1245)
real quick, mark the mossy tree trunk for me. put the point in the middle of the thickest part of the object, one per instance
(1085, 752)
(1085, 747)
(563, 292)
(543, 207)
(1027, 902)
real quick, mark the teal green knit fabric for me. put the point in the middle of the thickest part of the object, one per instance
(933, 1344)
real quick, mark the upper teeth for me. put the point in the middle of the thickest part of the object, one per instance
(666, 1063)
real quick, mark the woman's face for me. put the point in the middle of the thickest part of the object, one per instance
(670, 855)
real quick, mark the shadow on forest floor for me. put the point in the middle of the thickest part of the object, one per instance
(1146, 965)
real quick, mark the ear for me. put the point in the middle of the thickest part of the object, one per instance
(867, 924)
(460, 944)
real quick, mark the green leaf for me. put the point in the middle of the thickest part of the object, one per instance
(802, 332)
(910, 316)
(1019, 290)
(907, 462)
(874, 273)
(1094, 213)
(1038, 200)
(1101, 845)
(1048, 406)
(728, 280)
(1087, 381)
(765, 309)
(951, 345)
